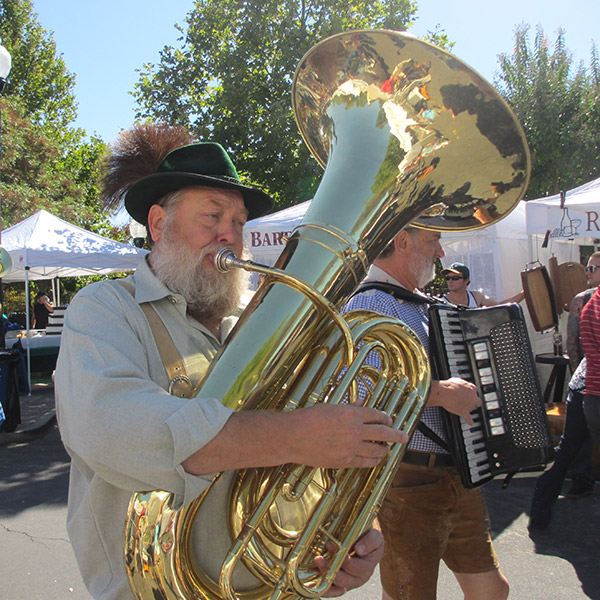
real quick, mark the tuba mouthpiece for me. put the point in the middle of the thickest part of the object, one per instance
(225, 260)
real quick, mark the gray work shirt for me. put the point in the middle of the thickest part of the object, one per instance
(122, 429)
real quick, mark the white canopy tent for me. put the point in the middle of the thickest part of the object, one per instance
(45, 247)
(265, 236)
(495, 255)
(578, 218)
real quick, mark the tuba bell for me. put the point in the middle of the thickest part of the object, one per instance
(408, 134)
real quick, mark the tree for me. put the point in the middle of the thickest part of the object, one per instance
(46, 163)
(38, 76)
(231, 80)
(557, 106)
(46, 171)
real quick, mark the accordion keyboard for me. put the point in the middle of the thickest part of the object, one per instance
(459, 365)
(490, 347)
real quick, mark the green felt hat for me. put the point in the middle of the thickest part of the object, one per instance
(204, 163)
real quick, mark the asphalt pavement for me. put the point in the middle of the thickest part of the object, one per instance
(37, 561)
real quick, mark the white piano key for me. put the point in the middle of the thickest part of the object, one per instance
(477, 434)
(476, 450)
(479, 474)
(473, 455)
(466, 427)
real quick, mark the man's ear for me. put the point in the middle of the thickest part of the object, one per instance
(156, 221)
(402, 241)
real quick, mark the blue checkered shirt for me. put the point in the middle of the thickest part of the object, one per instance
(414, 316)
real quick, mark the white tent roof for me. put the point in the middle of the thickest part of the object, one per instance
(51, 248)
(495, 254)
(265, 236)
(580, 217)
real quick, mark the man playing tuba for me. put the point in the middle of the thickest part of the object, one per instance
(127, 425)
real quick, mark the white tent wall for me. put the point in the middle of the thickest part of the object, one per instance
(579, 218)
(495, 256)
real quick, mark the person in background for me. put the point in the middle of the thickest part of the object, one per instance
(575, 434)
(589, 325)
(42, 309)
(123, 429)
(427, 515)
(458, 279)
(581, 466)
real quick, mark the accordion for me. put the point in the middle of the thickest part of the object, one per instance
(490, 347)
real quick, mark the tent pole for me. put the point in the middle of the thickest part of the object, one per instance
(27, 319)
(55, 291)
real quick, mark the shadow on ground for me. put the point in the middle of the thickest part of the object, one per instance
(571, 536)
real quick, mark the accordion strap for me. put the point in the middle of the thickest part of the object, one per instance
(401, 293)
(397, 292)
(433, 436)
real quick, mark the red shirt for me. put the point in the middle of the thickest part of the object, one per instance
(589, 328)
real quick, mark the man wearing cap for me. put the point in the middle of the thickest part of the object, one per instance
(124, 430)
(457, 278)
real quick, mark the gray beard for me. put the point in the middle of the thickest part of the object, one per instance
(422, 269)
(208, 293)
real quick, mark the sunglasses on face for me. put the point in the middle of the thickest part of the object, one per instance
(453, 277)
(591, 268)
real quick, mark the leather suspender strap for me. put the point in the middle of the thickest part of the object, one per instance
(179, 383)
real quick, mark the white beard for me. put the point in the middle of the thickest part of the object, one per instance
(208, 293)
(422, 270)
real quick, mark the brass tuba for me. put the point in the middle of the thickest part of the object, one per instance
(408, 134)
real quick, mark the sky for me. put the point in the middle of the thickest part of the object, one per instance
(105, 43)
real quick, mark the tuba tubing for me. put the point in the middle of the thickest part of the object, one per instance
(409, 135)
